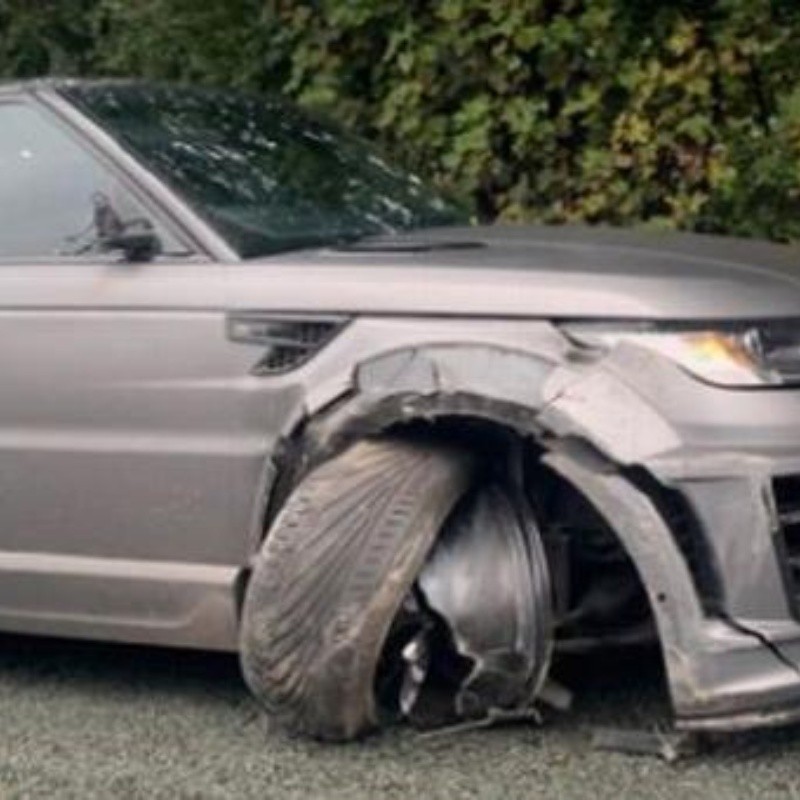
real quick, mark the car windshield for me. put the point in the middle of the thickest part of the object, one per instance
(266, 176)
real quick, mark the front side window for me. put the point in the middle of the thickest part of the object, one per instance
(265, 175)
(52, 191)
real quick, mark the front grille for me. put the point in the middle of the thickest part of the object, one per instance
(786, 491)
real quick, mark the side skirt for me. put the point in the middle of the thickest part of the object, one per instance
(148, 602)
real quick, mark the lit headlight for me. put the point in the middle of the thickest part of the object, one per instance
(726, 354)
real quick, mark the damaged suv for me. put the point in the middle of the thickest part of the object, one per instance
(263, 393)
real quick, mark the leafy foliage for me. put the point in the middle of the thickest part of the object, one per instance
(50, 36)
(673, 113)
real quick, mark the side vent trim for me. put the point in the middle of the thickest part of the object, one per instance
(290, 340)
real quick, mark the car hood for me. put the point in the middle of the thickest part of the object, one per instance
(557, 272)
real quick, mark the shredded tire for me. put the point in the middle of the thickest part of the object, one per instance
(332, 575)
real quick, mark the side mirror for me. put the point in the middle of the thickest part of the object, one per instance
(134, 237)
(137, 246)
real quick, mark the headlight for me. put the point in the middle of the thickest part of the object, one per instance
(726, 354)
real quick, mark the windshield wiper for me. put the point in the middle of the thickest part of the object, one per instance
(406, 244)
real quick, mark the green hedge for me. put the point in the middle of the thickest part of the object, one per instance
(676, 114)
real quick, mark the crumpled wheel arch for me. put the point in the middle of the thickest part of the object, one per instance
(541, 405)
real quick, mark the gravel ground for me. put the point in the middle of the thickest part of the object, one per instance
(94, 721)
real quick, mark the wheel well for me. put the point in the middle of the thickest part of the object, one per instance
(599, 597)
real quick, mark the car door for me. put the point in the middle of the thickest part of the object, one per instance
(133, 444)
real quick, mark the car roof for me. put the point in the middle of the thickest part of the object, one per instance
(17, 86)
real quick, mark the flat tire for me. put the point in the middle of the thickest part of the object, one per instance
(332, 575)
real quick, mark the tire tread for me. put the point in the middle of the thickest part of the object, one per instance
(331, 575)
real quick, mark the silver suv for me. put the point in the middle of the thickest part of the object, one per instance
(261, 392)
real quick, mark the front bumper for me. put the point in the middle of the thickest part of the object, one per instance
(720, 578)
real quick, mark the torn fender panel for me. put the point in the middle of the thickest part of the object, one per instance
(539, 393)
(502, 374)
(489, 382)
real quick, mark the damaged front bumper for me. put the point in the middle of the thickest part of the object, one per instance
(723, 579)
(725, 672)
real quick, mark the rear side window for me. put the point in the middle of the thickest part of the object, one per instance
(49, 186)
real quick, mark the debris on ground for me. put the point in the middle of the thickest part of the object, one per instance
(667, 745)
